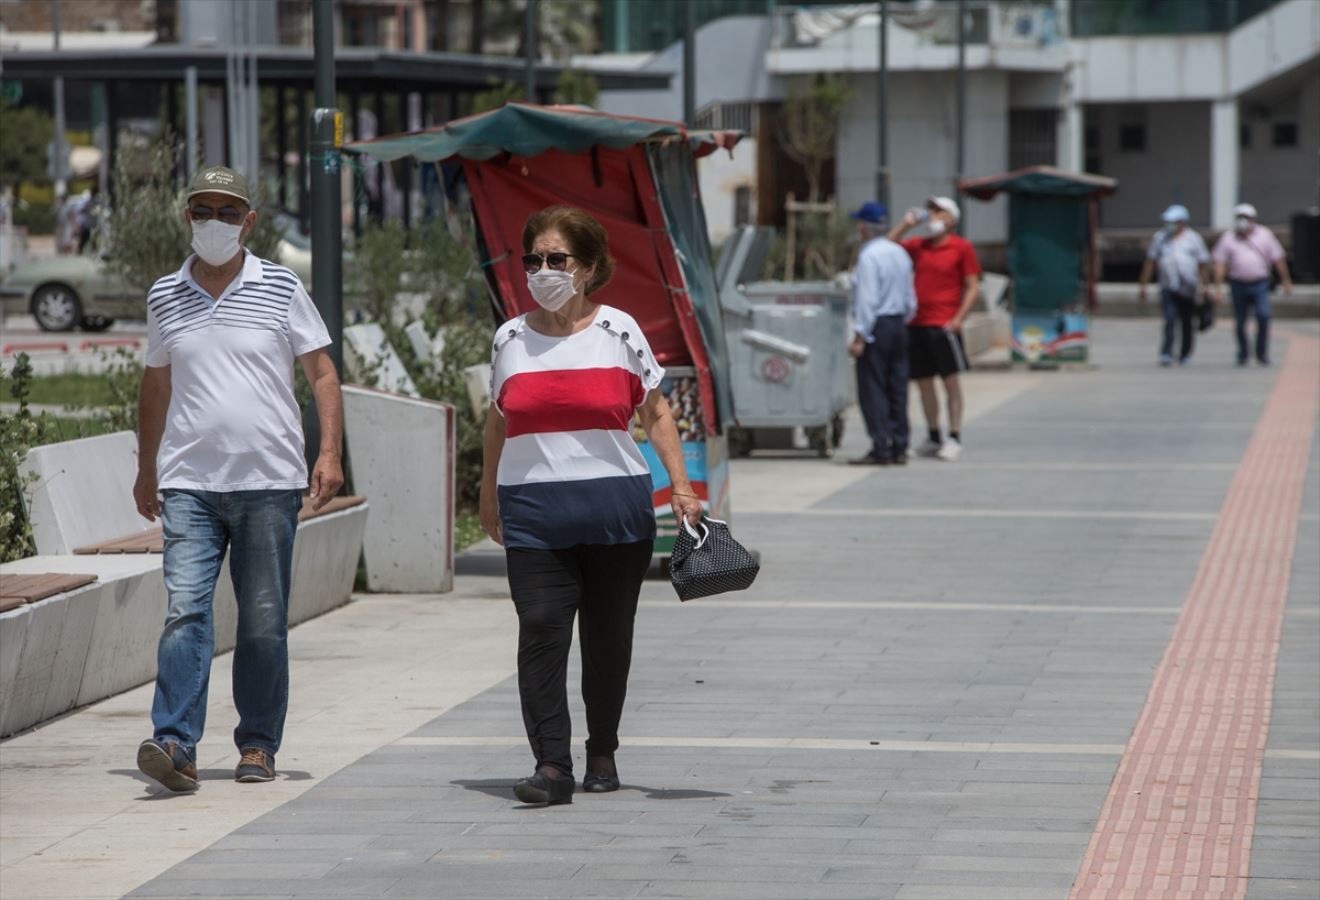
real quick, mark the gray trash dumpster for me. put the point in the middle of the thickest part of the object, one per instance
(787, 344)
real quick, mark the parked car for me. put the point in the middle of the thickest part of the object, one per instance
(64, 292)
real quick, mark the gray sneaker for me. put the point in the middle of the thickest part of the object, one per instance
(255, 765)
(168, 763)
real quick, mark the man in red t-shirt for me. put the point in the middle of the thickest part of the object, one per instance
(947, 278)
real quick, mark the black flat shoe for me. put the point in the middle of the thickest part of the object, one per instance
(541, 788)
(600, 784)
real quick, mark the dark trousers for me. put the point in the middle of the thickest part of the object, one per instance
(1178, 310)
(599, 584)
(1249, 296)
(882, 387)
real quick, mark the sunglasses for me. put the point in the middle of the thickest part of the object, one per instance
(230, 215)
(532, 262)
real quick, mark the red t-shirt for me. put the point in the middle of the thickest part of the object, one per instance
(939, 271)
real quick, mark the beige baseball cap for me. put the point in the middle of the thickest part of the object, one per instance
(219, 180)
(1245, 209)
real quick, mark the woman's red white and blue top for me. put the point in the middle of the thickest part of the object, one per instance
(570, 472)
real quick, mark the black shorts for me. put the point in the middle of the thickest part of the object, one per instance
(933, 351)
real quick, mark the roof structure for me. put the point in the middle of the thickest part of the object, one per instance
(523, 129)
(1042, 181)
(411, 71)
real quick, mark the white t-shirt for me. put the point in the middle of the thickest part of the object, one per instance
(570, 472)
(233, 422)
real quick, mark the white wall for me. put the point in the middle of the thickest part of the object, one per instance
(1281, 181)
(1197, 66)
(719, 177)
(730, 68)
(1174, 167)
(922, 108)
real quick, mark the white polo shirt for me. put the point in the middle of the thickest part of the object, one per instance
(233, 422)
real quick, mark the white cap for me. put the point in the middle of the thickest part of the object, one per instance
(945, 204)
(1176, 213)
(1245, 209)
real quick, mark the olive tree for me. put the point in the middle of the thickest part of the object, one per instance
(147, 236)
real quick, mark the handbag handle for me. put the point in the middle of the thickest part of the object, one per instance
(701, 539)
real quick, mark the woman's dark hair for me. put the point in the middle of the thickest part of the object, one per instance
(585, 236)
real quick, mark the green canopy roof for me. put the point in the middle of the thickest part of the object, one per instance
(1045, 181)
(527, 130)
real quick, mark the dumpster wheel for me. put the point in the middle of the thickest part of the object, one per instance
(740, 442)
(819, 440)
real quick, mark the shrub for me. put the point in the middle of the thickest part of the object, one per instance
(20, 431)
(440, 263)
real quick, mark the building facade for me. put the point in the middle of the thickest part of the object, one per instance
(1205, 104)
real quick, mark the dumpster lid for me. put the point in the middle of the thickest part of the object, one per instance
(1041, 180)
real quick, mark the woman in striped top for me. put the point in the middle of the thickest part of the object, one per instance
(566, 491)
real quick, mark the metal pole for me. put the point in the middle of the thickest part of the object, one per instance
(882, 172)
(231, 95)
(254, 98)
(327, 135)
(59, 173)
(529, 46)
(689, 64)
(326, 138)
(190, 118)
(962, 105)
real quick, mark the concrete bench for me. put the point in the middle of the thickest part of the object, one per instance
(80, 646)
(45, 629)
(402, 451)
(153, 541)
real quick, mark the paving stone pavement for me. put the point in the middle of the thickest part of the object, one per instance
(920, 705)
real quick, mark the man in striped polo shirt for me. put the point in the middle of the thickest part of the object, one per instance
(220, 460)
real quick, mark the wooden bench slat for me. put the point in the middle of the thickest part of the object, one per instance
(8, 603)
(336, 504)
(31, 588)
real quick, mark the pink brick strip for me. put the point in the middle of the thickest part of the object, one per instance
(1180, 813)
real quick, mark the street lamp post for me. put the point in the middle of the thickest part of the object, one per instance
(529, 45)
(59, 153)
(327, 136)
(882, 88)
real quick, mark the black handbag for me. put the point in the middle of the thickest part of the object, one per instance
(711, 562)
(1205, 313)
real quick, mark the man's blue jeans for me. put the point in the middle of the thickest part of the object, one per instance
(258, 527)
(1249, 296)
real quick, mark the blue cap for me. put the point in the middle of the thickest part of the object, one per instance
(872, 212)
(1176, 213)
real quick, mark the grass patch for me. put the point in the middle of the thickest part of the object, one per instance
(467, 531)
(72, 429)
(70, 389)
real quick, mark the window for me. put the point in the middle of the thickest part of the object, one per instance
(742, 205)
(1285, 134)
(1132, 137)
(1032, 137)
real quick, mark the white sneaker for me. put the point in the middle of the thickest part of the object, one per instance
(930, 449)
(950, 450)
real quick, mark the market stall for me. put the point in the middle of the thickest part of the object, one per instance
(638, 177)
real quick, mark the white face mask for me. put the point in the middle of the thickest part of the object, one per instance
(936, 227)
(1242, 223)
(550, 288)
(215, 242)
